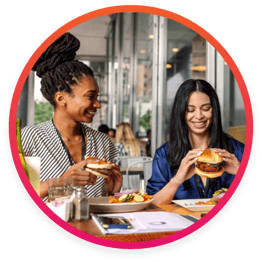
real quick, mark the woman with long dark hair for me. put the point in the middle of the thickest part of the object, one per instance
(195, 124)
(63, 142)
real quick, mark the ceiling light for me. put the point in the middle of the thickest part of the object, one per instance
(199, 68)
(175, 50)
(168, 66)
(142, 51)
(151, 36)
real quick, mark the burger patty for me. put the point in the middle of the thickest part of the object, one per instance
(102, 170)
(209, 167)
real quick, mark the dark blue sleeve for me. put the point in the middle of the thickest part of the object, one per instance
(238, 150)
(161, 173)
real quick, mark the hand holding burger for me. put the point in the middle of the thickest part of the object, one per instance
(209, 164)
(109, 170)
(186, 169)
(88, 170)
(98, 167)
(231, 162)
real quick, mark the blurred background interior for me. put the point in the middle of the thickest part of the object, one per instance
(139, 61)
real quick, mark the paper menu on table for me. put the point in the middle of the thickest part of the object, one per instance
(148, 222)
(162, 221)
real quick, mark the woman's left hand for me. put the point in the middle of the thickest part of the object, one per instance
(114, 180)
(232, 163)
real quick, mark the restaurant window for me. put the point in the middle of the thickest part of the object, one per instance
(109, 73)
(116, 65)
(43, 109)
(233, 106)
(144, 65)
(127, 49)
(185, 59)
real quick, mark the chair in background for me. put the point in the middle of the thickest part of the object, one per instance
(135, 170)
(147, 172)
(238, 133)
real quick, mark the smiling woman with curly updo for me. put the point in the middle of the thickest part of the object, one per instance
(63, 142)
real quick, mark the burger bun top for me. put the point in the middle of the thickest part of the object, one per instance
(209, 156)
(96, 163)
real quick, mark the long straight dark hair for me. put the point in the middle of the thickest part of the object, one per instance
(179, 143)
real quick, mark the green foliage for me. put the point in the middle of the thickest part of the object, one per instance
(144, 120)
(145, 99)
(43, 112)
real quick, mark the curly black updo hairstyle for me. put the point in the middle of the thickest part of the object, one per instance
(57, 68)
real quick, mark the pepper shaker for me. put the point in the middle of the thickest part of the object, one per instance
(80, 205)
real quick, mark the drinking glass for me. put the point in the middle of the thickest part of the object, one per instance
(59, 192)
(60, 187)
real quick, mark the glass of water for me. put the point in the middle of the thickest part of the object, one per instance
(60, 187)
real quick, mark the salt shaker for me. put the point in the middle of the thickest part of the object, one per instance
(80, 205)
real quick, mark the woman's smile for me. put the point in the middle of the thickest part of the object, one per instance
(199, 125)
(91, 113)
(83, 103)
(199, 113)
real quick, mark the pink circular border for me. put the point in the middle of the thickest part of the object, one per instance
(169, 15)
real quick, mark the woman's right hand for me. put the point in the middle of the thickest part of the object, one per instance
(186, 170)
(80, 175)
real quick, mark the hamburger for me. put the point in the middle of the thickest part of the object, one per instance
(97, 166)
(209, 164)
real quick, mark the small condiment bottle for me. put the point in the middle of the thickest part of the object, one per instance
(80, 205)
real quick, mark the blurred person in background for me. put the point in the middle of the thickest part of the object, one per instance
(103, 128)
(112, 134)
(126, 143)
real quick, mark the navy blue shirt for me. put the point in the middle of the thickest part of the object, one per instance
(161, 175)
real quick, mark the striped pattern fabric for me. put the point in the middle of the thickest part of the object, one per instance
(43, 141)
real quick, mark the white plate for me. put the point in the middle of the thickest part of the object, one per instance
(191, 206)
(101, 205)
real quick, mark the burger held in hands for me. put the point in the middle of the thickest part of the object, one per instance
(106, 169)
(209, 164)
(181, 168)
(98, 167)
